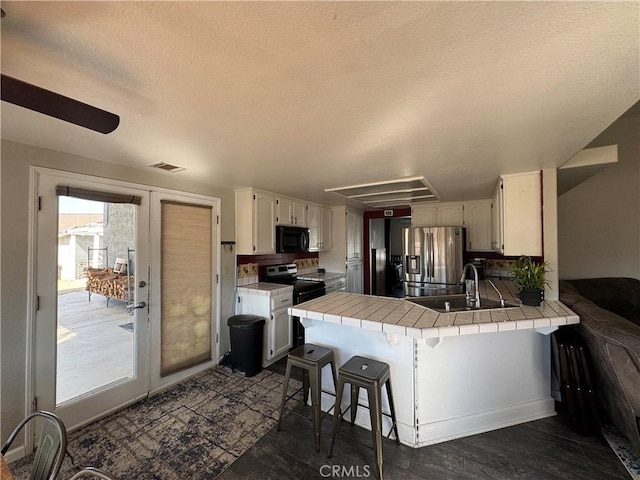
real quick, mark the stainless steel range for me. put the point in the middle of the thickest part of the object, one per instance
(303, 290)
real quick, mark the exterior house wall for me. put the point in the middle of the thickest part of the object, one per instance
(15, 166)
(599, 220)
(82, 245)
(119, 232)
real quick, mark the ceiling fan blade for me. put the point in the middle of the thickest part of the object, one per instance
(55, 105)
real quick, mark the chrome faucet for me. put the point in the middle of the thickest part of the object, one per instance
(463, 277)
(499, 294)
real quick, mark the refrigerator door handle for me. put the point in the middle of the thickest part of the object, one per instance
(433, 256)
(427, 260)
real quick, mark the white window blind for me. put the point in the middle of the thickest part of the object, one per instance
(186, 285)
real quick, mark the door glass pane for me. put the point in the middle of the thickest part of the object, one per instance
(96, 259)
(186, 286)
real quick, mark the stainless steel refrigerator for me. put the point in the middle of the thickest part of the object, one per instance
(432, 260)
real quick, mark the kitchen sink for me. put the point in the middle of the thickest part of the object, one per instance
(457, 303)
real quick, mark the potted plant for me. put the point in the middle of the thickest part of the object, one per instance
(529, 276)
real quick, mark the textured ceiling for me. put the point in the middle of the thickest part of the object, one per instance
(300, 97)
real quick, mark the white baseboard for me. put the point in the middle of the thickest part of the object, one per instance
(449, 429)
(442, 431)
(15, 454)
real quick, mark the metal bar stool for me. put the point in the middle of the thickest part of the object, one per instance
(371, 375)
(311, 358)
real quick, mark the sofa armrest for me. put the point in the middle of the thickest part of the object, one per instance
(614, 347)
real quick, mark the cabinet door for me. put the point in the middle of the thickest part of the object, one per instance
(280, 333)
(325, 229)
(299, 211)
(477, 220)
(354, 236)
(522, 214)
(313, 222)
(341, 284)
(284, 211)
(496, 220)
(450, 215)
(263, 223)
(423, 216)
(354, 278)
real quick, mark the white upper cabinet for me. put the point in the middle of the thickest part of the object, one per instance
(284, 211)
(345, 235)
(291, 212)
(314, 224)
(517, 215)
(450, 214)
(354, 235)
(423, 215)
(440, 215)
(258, 212)
(299, 210)
(319, 223)
(325, 229)
(255, 222)
(477, 222)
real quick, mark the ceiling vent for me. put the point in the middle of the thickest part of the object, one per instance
(167, 166)
(389, 193)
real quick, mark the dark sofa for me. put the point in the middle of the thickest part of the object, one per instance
(609, 310)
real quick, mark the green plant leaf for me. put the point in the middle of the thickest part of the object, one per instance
(530, 274)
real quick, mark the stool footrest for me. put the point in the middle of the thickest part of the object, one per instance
(393, 423)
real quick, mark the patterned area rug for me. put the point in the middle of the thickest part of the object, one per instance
(622, 448)
(194, 430)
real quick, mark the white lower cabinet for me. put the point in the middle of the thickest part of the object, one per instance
(354, 277)
(338, 284)
(278, 327)
(280, 335)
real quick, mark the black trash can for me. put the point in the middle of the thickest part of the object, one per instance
(247, 333)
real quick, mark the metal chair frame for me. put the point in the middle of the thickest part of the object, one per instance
(50, 452)
(311, 359)
(93, 472)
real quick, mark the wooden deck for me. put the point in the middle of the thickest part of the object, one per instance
(93, 348)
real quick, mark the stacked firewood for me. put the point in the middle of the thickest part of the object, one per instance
(108, 283)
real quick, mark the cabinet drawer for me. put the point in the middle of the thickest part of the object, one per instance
(281, 301)
(341, 283)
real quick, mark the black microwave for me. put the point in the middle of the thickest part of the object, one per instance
(291, 239)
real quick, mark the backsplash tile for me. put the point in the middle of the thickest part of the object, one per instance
(247, 274)
(500, 268)
(307, 265)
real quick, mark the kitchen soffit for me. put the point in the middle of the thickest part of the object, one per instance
(388, 193)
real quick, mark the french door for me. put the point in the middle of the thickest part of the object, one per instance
(114, 314)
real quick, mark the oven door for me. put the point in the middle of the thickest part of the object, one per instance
(301, 297)
(310, 294)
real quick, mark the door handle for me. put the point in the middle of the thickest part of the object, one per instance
(131, 306)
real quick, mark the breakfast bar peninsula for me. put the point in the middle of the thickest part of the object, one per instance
(453, 373)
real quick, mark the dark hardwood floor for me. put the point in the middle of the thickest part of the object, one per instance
(540, 450)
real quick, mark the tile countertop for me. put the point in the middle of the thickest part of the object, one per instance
(401, 317)
(264, 288)
(320, 276)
